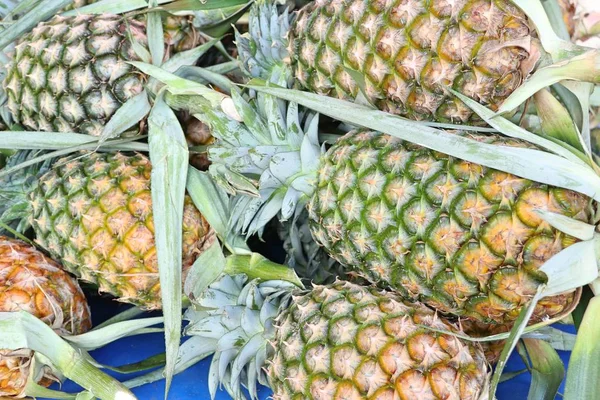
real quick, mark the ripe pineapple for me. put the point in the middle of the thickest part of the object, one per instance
(403, 53)
(32, 282)
(455, 235)
(94, 213)
(339, 341)
(70, 74)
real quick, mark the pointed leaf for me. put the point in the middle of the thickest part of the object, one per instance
(584, 369)
(547, 371)
(169, 156)
(130, 113)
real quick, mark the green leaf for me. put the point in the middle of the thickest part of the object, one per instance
(550, 41)
(555, 16)
(120, 143)
(21, 330)
(177, 85)
(581, 90)
(18, 140)
(556, 121)
(188, 57)
(112, 7)
(156, 36)
(584, 68)
(169, 157)
(122, 316)
(558, 339)
(570, 226)
(256, 266)
(213, 203)
(572, 267)
(192, 351)
(512, 340)
(510, 129)
(547, 370)
(198, 5)
(100, 337)
(206, 269)
(44, 10)
(527, 163)
(130, 113)
(584, 368)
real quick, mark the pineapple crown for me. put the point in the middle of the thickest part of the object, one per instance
(266, 149)
(235, 319)
(264, 49)
(16, 186)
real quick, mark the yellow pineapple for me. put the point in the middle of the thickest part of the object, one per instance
(32, 282)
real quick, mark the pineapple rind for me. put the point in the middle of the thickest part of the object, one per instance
(94, 213)
(407, 52)
(460, 237)
(338, 339)
(32, 282)
(71, 74)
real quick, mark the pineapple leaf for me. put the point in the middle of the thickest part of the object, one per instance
(133, 111)
(188, 57)
(100, 337)
(584, 369)
(202, 5)
(527, 163)
(44, 10)
(207, 268)
(555, 16)
(556, 121)
(155, 34)
(513, 338)
(191, 352)
(582, 90)
(177, 85)
(552, 43)
(570, 226)
(572, 267)
(558, 339)
(21, 330)
(547, 370)
(19, 140)
(510, 129)
(169, 157)
(582, 68)
(213, 203)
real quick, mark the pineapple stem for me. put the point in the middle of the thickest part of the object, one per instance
(255, 266)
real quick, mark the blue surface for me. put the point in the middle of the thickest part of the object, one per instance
(192, 383)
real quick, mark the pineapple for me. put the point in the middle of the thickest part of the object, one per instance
(93, 212)
(399, 55)
(70, 74)
(32, 282)
(339, 341)
(458, 236)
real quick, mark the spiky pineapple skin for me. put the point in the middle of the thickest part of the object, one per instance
(408, 51)
(458, 236)
(70, 74)
(94, 213)
(344, 341)
(32, 282)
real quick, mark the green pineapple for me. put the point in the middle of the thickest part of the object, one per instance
(398, 55)
(93, 212)
(458, 236)
(71, 74)
(339, 341)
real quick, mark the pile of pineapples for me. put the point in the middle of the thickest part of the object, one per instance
(337, 199)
